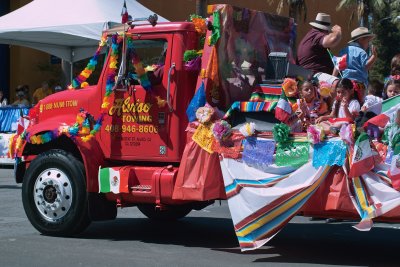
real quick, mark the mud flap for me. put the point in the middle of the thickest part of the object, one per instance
(101, 209)
(19, 171)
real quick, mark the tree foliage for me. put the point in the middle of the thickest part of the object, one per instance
(387, 42)
(296, 8)
(362, 9)
(380, 17)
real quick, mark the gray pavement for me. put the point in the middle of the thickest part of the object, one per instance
(203, 238)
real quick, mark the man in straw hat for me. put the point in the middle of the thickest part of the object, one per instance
(358, 63)
(312, 52)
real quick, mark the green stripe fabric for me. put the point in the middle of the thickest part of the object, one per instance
(104, 180)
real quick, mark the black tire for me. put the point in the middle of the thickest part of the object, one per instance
(54, 194)
(169, 214)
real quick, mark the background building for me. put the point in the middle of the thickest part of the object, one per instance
(21, 65)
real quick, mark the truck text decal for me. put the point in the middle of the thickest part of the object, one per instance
(59, 104)
(135, 118)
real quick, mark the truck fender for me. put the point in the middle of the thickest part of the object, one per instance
(93, 158)
(91, 152)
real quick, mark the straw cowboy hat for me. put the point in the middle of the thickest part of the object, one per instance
(361, 32)
(322, 22)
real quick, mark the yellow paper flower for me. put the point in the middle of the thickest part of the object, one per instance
(325, 89)
(84, 131)
(160, 102)
(79, 119)
(86, 138)
(105, 105)
(113, 65)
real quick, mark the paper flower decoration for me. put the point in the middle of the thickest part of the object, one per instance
(281, 132)
(346, 133)
(190, 55)
(325, 89)
(200, 25)
(204, 114)
(289, 86)
(248, 129)
(160, 102)
(315, 134)
(221, 129)
(84, 84)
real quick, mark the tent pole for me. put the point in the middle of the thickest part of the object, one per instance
(71, 71)
(66, 70)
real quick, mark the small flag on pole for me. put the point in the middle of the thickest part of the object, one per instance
(340, 62)
(363, 157)
(124, 14)
(283, 109)
(389, 108)
(115, 179)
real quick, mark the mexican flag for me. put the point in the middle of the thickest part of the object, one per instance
(124, 14)
(394, 169)
(363, 157)
(114, 180)
(389, 107)
(283, 109)
(340, 62)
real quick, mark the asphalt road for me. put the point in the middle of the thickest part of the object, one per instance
(203, 238)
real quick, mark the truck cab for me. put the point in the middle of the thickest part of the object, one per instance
(139, 122)
(149, 124)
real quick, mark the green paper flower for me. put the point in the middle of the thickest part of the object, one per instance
(281, 132)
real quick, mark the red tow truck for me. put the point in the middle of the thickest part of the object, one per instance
(60, 177)
(121, 123)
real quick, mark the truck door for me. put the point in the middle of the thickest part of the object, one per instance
(136, 126)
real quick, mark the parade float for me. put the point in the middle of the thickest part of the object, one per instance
(186, 113)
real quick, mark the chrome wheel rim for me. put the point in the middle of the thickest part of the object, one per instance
(52, 194)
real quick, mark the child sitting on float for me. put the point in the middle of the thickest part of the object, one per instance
(310, 106)
(392, 87)
(344, 109)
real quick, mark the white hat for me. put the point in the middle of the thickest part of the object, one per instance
(359, 33)
(322, 22)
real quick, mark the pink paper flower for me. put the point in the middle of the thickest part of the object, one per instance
(221, 129)
(315, 134)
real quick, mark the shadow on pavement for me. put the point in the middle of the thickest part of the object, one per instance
(190, 231)
(317, 243)
(330, 244)
(10, 186)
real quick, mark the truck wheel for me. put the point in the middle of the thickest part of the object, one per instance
(54, 194)
(171, 213)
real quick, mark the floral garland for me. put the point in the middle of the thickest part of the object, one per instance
(81, 128)
(111, 72)
(140, 70)
(80, 80)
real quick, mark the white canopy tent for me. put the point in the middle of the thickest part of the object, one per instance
(68, 29)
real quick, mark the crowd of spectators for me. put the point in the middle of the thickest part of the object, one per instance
(23, 95)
